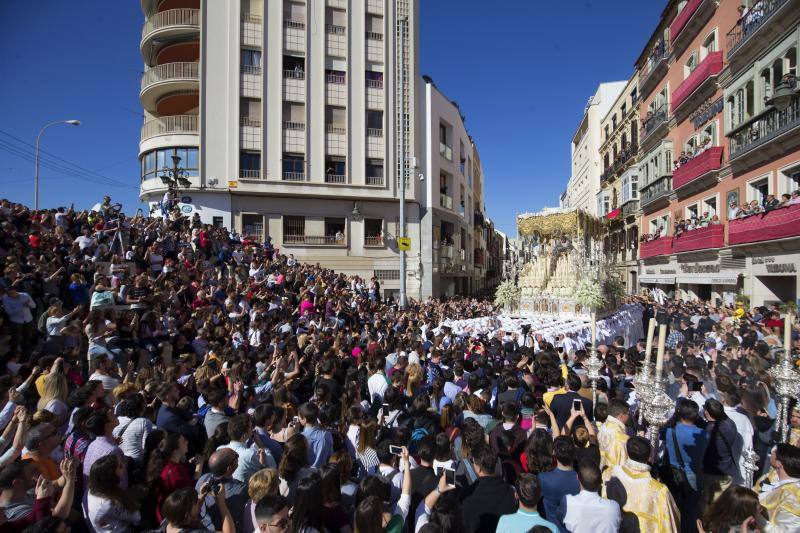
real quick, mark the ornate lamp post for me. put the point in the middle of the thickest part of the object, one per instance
(594, 364)
(658, 404)
(643, 382)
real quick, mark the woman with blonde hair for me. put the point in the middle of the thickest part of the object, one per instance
(414, 378)
(54, 399)
(261, 484)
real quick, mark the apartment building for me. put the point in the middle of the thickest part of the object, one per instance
(584, 181)
(285, 116)
(618, 197)
(452, 218)
(720, 127)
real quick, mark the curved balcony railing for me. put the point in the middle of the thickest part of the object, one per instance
(776, 224)
(753, 19)
(655, 248)
(699, 165)
(171, 18)
(699, 239)
(170, 72)
(682, 18)
(708, 68)
(169, 125)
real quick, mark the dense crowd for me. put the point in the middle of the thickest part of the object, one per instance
(162, 374)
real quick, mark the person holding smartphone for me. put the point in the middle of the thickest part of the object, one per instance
(563, 404)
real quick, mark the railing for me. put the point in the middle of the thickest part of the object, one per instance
(294, 176)
(336, 128)
(767, 127)
(622, 157)
(710, 66)
(373, 240)
(169, 71)
(171, 17)
(250, 122)
(375, 180)
(335, 178)
(250, 17)
(295, 74)
(445, 201)
(338, 79)
(683, 17)
(709, 160)
(374, 36)
(251, 69)
(374, 132)
(294, 126)
(446, 151)
(375, 84)
(313, 240)
(659, 246)
(658, 189)
(700, 239)
(659, 53)
(746, 26)
(775, 224)
(333, 28)
(294, 24)
(169, 125)
(250, 174)
(652, 122)
(630, 207)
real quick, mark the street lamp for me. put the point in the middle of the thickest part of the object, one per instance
(175, 177)
(38, 139)
(784, 92)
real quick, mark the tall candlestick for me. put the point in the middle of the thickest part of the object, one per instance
(787, 336)
(651, 329)
(594, 330)
(662, 338)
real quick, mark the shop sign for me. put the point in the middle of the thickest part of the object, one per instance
(781, 268)
(699, 269)
(706, 112)
(763, 260)
(667, 270)
(186, 199)
(186, 208)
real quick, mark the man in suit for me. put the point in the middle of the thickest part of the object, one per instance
(562, 403)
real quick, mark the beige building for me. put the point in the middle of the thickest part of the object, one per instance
(618, 198)
(283, 115)
(584, 181)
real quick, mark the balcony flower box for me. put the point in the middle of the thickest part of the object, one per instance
(710, 66)
(708, 161)
(660, 246)
(777, 224)
(700, 239)
(683, 17)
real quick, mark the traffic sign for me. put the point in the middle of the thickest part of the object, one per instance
(404, 243)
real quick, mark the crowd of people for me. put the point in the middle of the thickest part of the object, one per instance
(769, 203)
(167, 375)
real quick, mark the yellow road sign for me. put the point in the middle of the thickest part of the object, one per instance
(404, 243)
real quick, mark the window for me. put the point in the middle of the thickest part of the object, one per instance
(374, 171)
(443, 138)
(709, 45)
(462, 158)
(614, 122)
(690, 65)
(294, 67)
(659, 225)
(335, 168)
(374, 79)
(294, 165)
(710, 207)
(789, 179)
(294, 229)
(294, 11)
(250, 108)
(250, 161)
(374, 120)
(251, 58)
(692, 211)
(294, 116)
(387, 275)
(758, 189)
(336, 119)
(153, 162)
(216, 222)
(334, 229)
(338, 77)
(335, 20)
(373, 229)
(253, 225)
(374, 24)
(624, 110)
(708, 137)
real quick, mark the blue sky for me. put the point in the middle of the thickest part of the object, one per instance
(521, 71)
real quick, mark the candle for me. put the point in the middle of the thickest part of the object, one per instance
(594, 330)
(662, 337)
(787, 336)
(651, 329)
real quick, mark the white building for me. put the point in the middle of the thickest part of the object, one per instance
(584, 182)
(451, 199)
(283, 114)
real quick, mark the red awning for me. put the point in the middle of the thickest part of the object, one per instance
(613, 214)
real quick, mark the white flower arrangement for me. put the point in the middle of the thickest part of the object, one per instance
(589, 294)
(507, 294)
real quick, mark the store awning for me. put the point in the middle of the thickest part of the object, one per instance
(709, 279)
(614, 214)
(658, 280)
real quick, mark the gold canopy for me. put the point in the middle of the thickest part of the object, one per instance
(552, 225)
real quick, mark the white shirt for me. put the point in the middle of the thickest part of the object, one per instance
(745, 429)
(133, 440)
(588, 512)
(377, 385)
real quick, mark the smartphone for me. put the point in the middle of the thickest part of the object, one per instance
(395, 450)
(450, 477)
(576, 404)
(216, 486)
(385, 409)
(295, 420)
(697, 386)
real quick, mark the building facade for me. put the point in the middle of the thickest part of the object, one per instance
(618, 197)
(713, 137)
(584, 181)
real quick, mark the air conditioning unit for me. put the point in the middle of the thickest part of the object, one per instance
(213, 181)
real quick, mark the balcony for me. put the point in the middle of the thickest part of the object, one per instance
(249, 174)
(445, 201)
(773, 132)
(619, 162)
(168, 78)
(168, 25)
(294, 176)
(660, 246)
(706, 238)
(175, 124)
(699, 172)
(777, 224)
(688, 22)
(376, 181)
(335, 178)
(630, 208)
(294, 36)
(478, 257)
(373, 241)
(766, 21)
(699, 85)
(656, 194)
(314, 240)
(654, 125)
(446, 151)
(655, 68)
